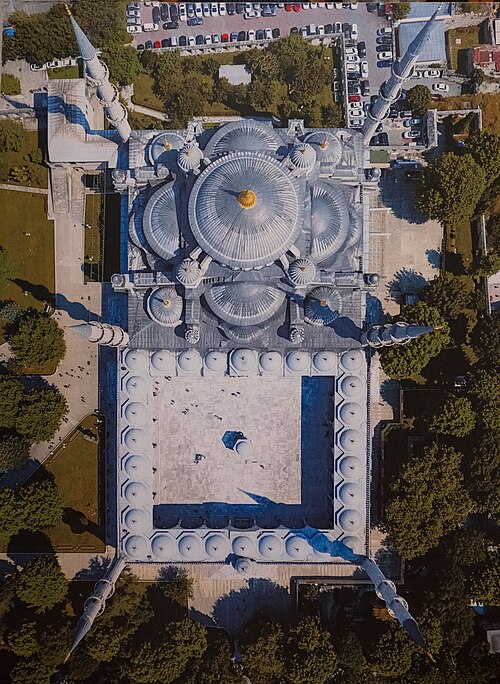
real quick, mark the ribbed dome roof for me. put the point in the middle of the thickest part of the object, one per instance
(247, 135)
(190, 546)
(244, 210)
(163, 361)
(136, 546)
(270, 546)
(244, 334)
(350, 520)
(136, 493)
(352, 360)
(164, 546)
(136, 519)
(163, 146)
(243, 546)
(136, 386)
(352, 441)
(135, 439)
(216, 361)
(351, 468)
(165, 306)
(189, 360)
(303, 156)
(327, 146)
(189, 158)
(322, 306)
(329, 220)
(135, 359)
(136, 413)
(244, 303)
(138, 467)
(325, 361)
(216, 546)
(298, 361)
(351, 495)
(271, 361)
(302, 272)
(243, 360)
(351, 413)
(159, 222)
(188, 272)
(352, 386)
(297, 548)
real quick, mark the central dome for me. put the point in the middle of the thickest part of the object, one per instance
(244, 210)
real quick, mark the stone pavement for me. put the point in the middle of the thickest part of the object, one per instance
(23, 188)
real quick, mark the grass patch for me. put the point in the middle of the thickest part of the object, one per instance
(39, 173)
(32, 257)
(92, 243)
(144, 95)
(64, 72)
(489, 103)
(469, 37)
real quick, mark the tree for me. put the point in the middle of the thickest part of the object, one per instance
(485, 150)
(426, 501)
(419, 99)
(103, 644)
(11, 136)
(9, 310)
(31, 671)
(309, 654)
(482, 468)
(350, 652)
(216, 666)
(123, 63)
(400, 11)
(263, 655)
(450, 188)
(11, 395)
(37, 342)
(42, 584)
(486, 391)
(11, 85)
(486, 582)
(449, 294)
(260, 95)
(42, 413)
(485, 266)
(402, 362)
(477, 77)
(487, 341)
(23, 640)
(391, 655)
(493, 233)
(177, 585)
(5, 265)
(14, 450)
(41, 504)
(332, 116)
(455, 417)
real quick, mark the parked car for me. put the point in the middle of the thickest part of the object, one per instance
(164, 11)
(412, 122)
(268, 34)
(354, 32)
(303, 32)
(205, 7)
(276, 33)
(384, 63)
(231, 8)
(431, 73)
(337, 27)
(157, 44)
(134, 29)
(198, 10)
(171, 25)
(240, 7)
(148, 45)
(354, 98)
(365, 88)
(328, 29)
(174, 11)
(183, 41)
(351, 51)
(364, 69)
(411, 135)
(383, 40)
(42, 67)
(233, 37)
(140, 47)
(361, 49)
(356, 122)
(442, 87)
(173, 41)
(133, 13)
(133, 6)
(385, 55)
(352, 59)
(259, 34)
(242, 35)
(355, 105)
(215, 39)
(182, 12)
(222, 9)
(133, 21)
(208, 40)
(156, 15)
(195, 21)
(352, 68)
(200, 39)
(165, 43)
(384, 31)
(251, 35)
(191, 41)
(214, 9)
(354, 90)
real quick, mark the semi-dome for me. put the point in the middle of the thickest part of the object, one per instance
(243, 566)
(351, 467)
(325, 361)
(136, 493)
(244, 303)
(138, 467)
(329, 220)
(159, 222)
(351, 413)
(188, 272)
(326, 145)
(322, 306)
(249, 135)
(243, 546)
(350, 520)
(136, 519)
(354, 543)
(352, 360)
(271, 361)
(190, 546)
(136, 440)
(189, 158)
(352, 386)
(164, 306)
(216, 546)
(136, 360)
(163, 361)
(245, 334)
(297, 548)
(136, 546)
(189, 360)
(270, 546)
(352, 441)
(164, 546)
(136, 413)
(244, 447)
(136, 387)
(164, 147)
(243, 360)
(244, 210)
(351, 495)
(302, 272)
(298, 361)
(216, 361)
(303, 156)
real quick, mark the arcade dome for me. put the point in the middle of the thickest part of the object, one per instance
(189, 361)
(351, 468)
(136, 360)
(216, 361)
(325, 361)
(352, 441)
(136, 413)
(298, 361)
(352, 386)
(163, 546)
(137, 546)
(244, 447)
(138, 467)
(216, 546)
(189, 158)
(350, 520)
(164, 146)
(188, 272)
(164, 306)
(244, 303)
(135, 439)
(297, 548)
(270, 546)
(352, 360)
(136, 493)
(271, 361)
(351, 495)
(352, 413)
(243, 546)
(243, 360)
(354, 543)
(136, 387)
(137, 520)
(190, 546)
(163, 361)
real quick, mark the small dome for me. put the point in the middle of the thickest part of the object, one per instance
(189, 158)
(119, 175)
(244, 303)
(326, 145)
(136, 413)
(164, 306)
(192, 334)
(216, 546)
(136, 493)
(164, 146)
(136, 360)
(352, 413)
(137, 546)
(351, 495)
(138, 468)
(189, 361)
(163, 361)
(303, 156)
(297, 335)
(270, 546)
(118, 280)
(325, 361)
(164, 546)
(352, 360)
(243, 360)
(354, 543)
(297, 548)
(351, 468)
(244, 447)
(373, 279)
(352, 441)
(136, 439)
(136, 387)
(322, 306)
(137, 520)
(216, 361)
(352, 386)
(271, 361)
(190, 546)
(243, 546)
(298, 361)
(243, 566)
(302, 272)
(350, 520)
(188, 272)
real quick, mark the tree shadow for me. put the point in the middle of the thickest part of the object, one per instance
(346, 328)
(7, 569)
(434, 257)
(79, 523)
(75, 310)
(28, 544)
(400, 197)
(375, 314)
(97, 568)
(406, 281)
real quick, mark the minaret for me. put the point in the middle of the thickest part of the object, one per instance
(393, 333)
(401, 71)
(104, 334)
(97, 73)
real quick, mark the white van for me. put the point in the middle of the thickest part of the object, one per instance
(150, 27)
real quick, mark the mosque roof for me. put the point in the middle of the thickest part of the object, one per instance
(248, 134)
(244, 303)
(159, 222)
(329, 220)
(326, 144)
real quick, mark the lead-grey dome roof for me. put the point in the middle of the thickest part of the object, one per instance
(329, 220)
(165, 306)
(159, 222)
(242, 333)
(244, 303)
(244, 210)
(189, 158)
(302, 272)
(303, 156)
(326, 144)
(322, 306)
(163, 147)
(248, 135)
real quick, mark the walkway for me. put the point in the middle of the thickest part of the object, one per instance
(128, 92)
(24, 188)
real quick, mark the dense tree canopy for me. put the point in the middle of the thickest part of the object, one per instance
(455, 417)
(449, 294)
(309, 654)
(486, 581)
(419, 99)
(263, 653)
(487, 341)
(41, 415)
(37, 342)
(400, 10)
(33, 507)
(391, 655)
(482, 468)
(12, 136)
(14, 450)
(493, 233)
(42, 584)
(177, 585)
(485, 149)
(486, 265)
(123, 63)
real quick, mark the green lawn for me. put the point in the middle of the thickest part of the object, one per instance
(468, 37)
(92, 246)
(64, 72)
(143, 93)
(39, 173)
(32, 257)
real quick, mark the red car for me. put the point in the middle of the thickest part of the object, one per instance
(224, 38)
(354, 98)
(296, 8)
(288, 8)
(157, 45)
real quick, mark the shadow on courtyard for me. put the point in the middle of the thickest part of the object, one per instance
(76, 310)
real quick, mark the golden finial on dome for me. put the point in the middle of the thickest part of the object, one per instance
(323, 302)
(324, 144)
(167, 145)
(247, 199)
(167, 303)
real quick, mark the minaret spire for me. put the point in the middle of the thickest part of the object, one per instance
(401, 71)
(98, 74)
(393, 333)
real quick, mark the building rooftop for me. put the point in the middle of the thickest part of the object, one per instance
(236, 74)
(435, 49)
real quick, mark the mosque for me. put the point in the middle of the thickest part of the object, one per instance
(244, 266)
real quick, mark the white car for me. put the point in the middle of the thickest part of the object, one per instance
(251, 35)
(441, 87)
(385, 55)
(305, 5)
(354, 32)
(355, 105)
(431, 73)
(215, 39)
(37, 67)
(356, 121)
(384, 31)
(351, 51)
(354, 59)
(364, 69)
(268, 34)
(330, 5)
(303, 32)
(337, 27)
(191, 41)
(320, 30)
(353, 5)
(313, 5)
(214, 9)
(134, 29)
(206, 9)
(338, 5)
(133, 13)
(222, 9)
(133, 21)
(182, 12)
(198, 10)
(208, 40)
(352, 68)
